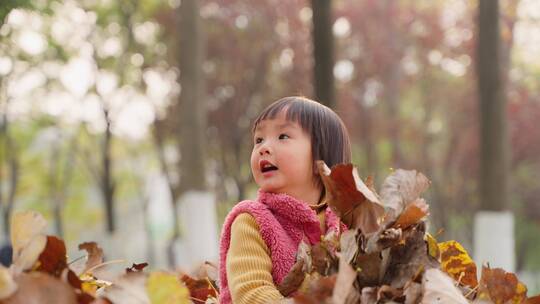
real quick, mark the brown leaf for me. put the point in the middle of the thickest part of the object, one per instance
(53, 259)
(350, 198)
(40, 287)
(439, 288)
(319, 291)
(533, 300)
(368, 267)
(293, 279)
(200, 289)
(401, 188)
(500, 286)
(387, 293)
(409, 259)
(95, 255)
(136, 267)
(321, 258)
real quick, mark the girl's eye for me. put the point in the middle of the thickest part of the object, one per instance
(258, 140)
(283, 136)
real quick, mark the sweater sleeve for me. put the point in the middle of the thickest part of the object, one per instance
(249, 266)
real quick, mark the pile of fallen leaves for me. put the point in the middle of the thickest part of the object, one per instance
(386, 255)
(41, 273)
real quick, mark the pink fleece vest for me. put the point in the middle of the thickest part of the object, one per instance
(283, 222)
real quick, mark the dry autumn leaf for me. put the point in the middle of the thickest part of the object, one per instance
(401, 188)
(319, 291)
(53, 259)
(7, 284)
(199, 290)
(412, 214)
(500, 286)
(293, 280)
(40, 287)
(355, 204)
(136, 267)
(409, 259)
(28, 238)
(165, 288)
(95, 255)
(344, 291)
(128, 289)
(457, 263)
(439, 288)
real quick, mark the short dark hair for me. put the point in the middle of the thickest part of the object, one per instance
(329, 136)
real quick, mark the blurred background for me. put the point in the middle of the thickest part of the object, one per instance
(113, 111)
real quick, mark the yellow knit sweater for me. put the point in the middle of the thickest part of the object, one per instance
(249, 266)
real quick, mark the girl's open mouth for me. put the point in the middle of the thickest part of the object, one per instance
(267, 166)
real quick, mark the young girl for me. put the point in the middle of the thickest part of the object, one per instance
(260, 238)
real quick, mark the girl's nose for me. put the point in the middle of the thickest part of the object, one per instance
(264, 150)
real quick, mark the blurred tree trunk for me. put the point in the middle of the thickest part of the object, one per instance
(9, 159)
(391, 79)
(323, 52)
(493, 134)
(60, 175)
(107, 184)
(368, 139)
(192, 121)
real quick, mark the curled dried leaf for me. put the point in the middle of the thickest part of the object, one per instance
(199, 289)
(95, 255)
(355, 204)
(403, 187)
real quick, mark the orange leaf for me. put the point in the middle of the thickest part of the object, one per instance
(457, 263)
(412, 214)
(500, 286)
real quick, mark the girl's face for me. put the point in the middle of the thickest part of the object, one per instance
(281, 160)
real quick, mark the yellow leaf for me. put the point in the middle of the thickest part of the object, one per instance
(457, 263)
(164, 288)
(433, 247)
